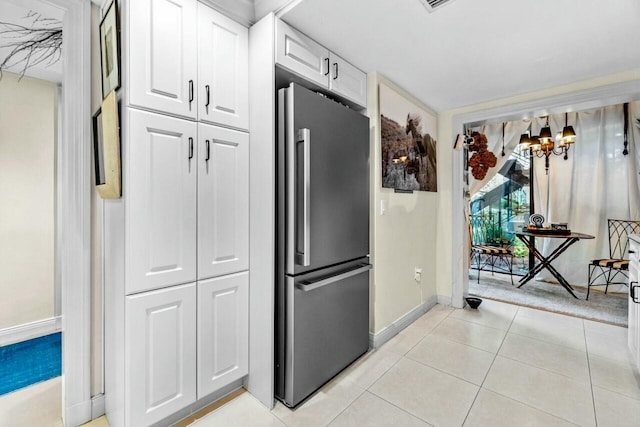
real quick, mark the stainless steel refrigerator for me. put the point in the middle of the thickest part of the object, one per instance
(322, 283)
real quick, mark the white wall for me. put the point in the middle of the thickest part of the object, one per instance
(404, 237)
(27, 147)
(446, 133)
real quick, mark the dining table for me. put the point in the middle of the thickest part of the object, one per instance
(544, 262)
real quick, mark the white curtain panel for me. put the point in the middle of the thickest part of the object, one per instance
(596, 183)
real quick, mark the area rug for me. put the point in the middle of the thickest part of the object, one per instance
(611, 308)
(29, 362)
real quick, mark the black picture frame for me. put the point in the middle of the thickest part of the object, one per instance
(110, 50)
(98, 148)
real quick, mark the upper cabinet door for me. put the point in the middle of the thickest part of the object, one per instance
(161, 201)
(300, 54)
(160, 353)
(163, 56)
(223, 64)
(223, 201)
(347, 81)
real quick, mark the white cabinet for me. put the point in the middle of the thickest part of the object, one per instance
(634, 300)
(187, 59)
(160, 187)
(162, 56)
(223, 331)
(347, 80)
(310, 60)
(223, 201)
(223, 66)
(160, 353)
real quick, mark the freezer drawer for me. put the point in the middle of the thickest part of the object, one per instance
(326, 328)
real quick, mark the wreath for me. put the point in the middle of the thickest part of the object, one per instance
(482, 159)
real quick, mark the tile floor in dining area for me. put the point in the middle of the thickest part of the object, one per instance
(501, 365)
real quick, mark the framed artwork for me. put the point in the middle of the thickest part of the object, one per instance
(98, 147)
(408, 143)
(110, 50)
(106, 130)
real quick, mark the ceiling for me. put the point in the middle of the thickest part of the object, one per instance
(469, 51)
(15, 12)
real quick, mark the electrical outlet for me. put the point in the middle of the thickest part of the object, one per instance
(417, 274)
(383, 207)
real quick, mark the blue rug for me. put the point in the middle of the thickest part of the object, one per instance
(30, 362)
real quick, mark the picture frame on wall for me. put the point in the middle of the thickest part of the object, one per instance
(107, 149)
(110, 50)
(98, 148)
(408, 143)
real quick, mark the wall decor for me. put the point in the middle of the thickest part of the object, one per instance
(408, 143)
(108, 121)
(110, 50)
(98, 147)
(482, 159)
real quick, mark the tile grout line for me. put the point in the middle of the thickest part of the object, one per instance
(593, 398)
(489, 370)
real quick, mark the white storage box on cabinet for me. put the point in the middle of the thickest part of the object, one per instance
(310, 60)
(223, 67)
(161, 201)
(223, 201)
(163, 55)
(223, 331)
(160, 353)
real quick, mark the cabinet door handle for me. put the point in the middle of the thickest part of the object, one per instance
(335, 66)
(190, 148)
(632, 292)
(632, 252)
(208, 154)
(190, 92)
(206, 104)
(326, 73)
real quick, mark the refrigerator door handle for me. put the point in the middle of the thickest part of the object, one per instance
(304, 258)
(309, 286)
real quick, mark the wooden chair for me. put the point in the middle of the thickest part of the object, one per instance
(614, 269)
(488, 250)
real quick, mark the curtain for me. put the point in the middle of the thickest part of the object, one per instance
(596, 183)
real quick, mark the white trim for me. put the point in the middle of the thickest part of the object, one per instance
(587, 99)
(97, 406)
(444, 300)
(377, 340)
(30, 330)
(73, 210)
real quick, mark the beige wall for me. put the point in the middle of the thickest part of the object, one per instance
(446, 134)
(404, 237)
(27, 149)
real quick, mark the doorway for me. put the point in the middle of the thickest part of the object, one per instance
(72, 209)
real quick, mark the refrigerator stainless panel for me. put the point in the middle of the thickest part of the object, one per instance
(327, 327)
(326, 179)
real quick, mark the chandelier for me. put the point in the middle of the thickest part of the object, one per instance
(544, 144)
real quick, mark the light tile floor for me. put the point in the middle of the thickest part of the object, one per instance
(501, 365)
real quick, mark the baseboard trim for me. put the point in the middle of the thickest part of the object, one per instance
(200, 404)
(444, 299)
(30, 330)
(377, 340)
(97, 406)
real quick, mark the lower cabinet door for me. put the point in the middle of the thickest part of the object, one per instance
(223, 331)
(160, 353)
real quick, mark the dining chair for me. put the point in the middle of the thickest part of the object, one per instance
(489, 252)
(614, 269)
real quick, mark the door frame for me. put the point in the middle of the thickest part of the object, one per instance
(73, 201)
(592, 98)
